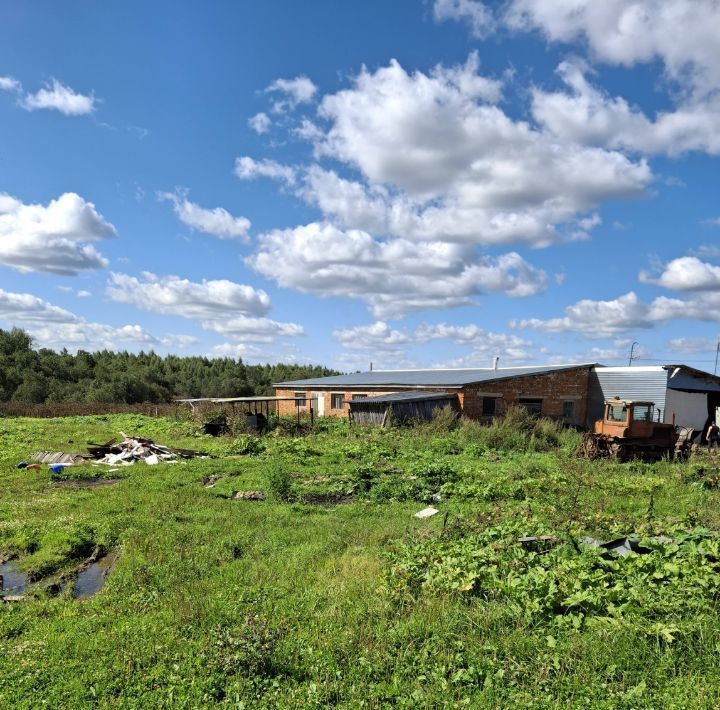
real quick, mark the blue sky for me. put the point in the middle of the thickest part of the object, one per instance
(415, 183)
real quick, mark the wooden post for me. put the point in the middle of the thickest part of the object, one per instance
(312, 420)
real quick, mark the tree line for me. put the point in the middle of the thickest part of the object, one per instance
(39, 376)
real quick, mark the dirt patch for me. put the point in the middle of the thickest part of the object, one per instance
(86, 482)
(317, 479)
(248, 495)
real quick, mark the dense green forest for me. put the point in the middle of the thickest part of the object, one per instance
(38, 376)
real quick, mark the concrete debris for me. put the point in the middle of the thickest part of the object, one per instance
(427, 512)
(437, 497)
(248, 495)
(210, 481)
(133, 449)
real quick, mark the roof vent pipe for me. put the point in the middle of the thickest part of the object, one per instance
(495, 363)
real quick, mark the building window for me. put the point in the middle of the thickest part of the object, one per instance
(532, 405)
(568, 409)
(301, 399)
(489, 406)
(337, 401)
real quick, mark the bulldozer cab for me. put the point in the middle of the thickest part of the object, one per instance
(627, 419)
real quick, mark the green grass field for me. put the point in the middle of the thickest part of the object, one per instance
(330, 592)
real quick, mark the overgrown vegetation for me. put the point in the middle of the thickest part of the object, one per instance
(330, 593)
(39, 376)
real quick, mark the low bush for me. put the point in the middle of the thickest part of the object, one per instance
(570, 584)
(280, 484)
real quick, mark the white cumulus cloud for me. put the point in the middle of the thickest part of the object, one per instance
(218, 221)
(455, 167)
(589, 116)
(260, 123)
(682, 34)
(605, 319)
(395, 276)
(478, 17)
(687, 273)
(52, 237)
(230, 309)
(8, 83)
(57, 328)
(172, 295)
(58, 97)
(299, 90)
(247, 168)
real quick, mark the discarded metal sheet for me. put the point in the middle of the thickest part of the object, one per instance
(624, 546)
(55, 457)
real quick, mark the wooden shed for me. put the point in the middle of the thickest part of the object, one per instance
(400, 407)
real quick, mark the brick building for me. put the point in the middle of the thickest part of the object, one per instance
(556, 391)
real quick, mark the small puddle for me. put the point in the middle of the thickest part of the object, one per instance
(91, 580)
(14, 581)
(86, 482)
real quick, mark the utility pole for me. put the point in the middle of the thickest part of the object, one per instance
(632, 350)
(717, 352)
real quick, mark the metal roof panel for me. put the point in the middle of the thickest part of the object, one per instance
(427, 378)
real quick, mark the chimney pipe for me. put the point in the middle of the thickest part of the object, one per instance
(370, 367)
(495, 363)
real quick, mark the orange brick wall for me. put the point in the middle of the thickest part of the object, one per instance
(288, 408)
(553, 387)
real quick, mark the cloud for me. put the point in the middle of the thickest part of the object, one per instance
(83, 294)
(606, 319)
(261, 330)
(712, 222)
(455, 167)
(591, 117)
(260, 123)
(8, 83)
(218, 221)
(230, 309)
(247, 168)
(24, 308)
(687, 273)
(299, 90)
(692, 345)
(58, 97)
(171, 295)
(57, 328)
(478, 17)
(249, 353)
(376, 336)
(388, 344)
(681, 34)
(395, 276)
(52, 237)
